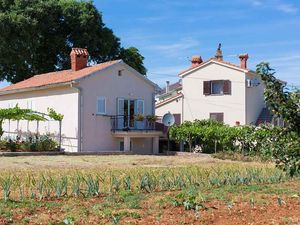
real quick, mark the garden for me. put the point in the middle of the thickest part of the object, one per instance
(145, 190)
(29, 141)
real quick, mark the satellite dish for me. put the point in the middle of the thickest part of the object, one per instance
(168, 119)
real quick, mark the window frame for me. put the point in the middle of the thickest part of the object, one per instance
(97, 105)
(217, 114)
(211, 87)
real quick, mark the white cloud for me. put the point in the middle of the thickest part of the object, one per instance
(175, 49)
(287, 8)
(279, 5)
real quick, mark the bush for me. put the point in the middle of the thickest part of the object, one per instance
(266, 141)
(32, 143)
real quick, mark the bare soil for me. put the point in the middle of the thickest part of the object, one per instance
(155, 209)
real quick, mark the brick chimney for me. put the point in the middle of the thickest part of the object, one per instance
(243, 59)
(79, 58)
(196, 60)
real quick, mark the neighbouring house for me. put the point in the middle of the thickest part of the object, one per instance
(100, 104)
(219, 90)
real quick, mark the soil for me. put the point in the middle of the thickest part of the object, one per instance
(215, 212)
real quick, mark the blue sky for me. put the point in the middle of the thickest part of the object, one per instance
(169, 32)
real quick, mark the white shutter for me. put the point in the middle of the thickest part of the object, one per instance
(120, 113)
(140, 107)
(120, 106)
(101, 105)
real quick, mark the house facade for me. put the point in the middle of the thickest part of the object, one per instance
(99, 104)
(215, 89)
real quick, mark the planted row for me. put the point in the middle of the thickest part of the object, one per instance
(73, 184)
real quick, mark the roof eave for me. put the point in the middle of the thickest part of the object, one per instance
(14, 91)
(212, 61)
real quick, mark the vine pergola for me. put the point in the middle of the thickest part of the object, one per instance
(16, 114)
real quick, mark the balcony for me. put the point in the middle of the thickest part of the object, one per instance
(134, 126)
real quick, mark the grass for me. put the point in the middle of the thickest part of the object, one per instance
(104, 162)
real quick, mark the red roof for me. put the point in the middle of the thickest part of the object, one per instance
(57, 77)
(213, 60)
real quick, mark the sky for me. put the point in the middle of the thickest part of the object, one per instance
(169, 32)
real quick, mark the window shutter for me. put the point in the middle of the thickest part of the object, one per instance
(140, 107)
(101, 105)
(220, 117)
(227, 87)
(206, 87)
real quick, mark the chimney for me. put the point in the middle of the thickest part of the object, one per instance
(168, 86)
(219, 54)
(243, 59)
(196, 60)
(79, 58)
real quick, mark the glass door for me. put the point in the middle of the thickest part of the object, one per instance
(126, 111)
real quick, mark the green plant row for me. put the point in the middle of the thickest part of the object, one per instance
(266, 141)
(92, 184)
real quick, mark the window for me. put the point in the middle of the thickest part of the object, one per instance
(31, 105)
(217, 116)
(217, 87)
(119, 73)
(101, 105)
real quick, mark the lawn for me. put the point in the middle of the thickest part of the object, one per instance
(145, 190)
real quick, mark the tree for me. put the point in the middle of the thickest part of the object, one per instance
(133, 58)
(37, 37)
(281, 101)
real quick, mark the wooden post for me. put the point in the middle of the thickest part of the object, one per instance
(60, 123)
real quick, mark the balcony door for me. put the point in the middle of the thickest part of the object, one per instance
(127, 108)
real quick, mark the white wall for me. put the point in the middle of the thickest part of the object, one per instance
(199, 106)
(96, 130)
(174, 107)
(255, 100)
(64, 100)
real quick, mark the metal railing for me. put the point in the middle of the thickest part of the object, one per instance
(123, 123)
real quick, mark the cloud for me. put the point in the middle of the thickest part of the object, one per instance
(257, 3)
(287, 8)
(278, 5)
(175, 49)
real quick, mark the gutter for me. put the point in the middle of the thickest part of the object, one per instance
(79, 116)
(14, 91)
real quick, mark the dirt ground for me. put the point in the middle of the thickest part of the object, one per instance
(268, 204)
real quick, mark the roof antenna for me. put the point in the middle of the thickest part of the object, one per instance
(219, 54)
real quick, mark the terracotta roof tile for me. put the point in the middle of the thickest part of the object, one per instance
(179, 95)
(57, 77)
(213, 60)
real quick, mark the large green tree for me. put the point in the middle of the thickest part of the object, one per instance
(282, 101)
(37, 37)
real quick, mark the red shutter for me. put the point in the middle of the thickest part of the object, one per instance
(220, 117)
(177, 118)
(227, 87)
(206, 88)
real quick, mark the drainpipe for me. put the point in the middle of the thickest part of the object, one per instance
(79, 116)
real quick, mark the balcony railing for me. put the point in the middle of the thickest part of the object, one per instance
(125, 123)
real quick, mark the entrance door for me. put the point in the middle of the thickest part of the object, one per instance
(126, 111)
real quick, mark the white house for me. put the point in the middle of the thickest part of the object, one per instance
(218, 90)
(99, 104)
